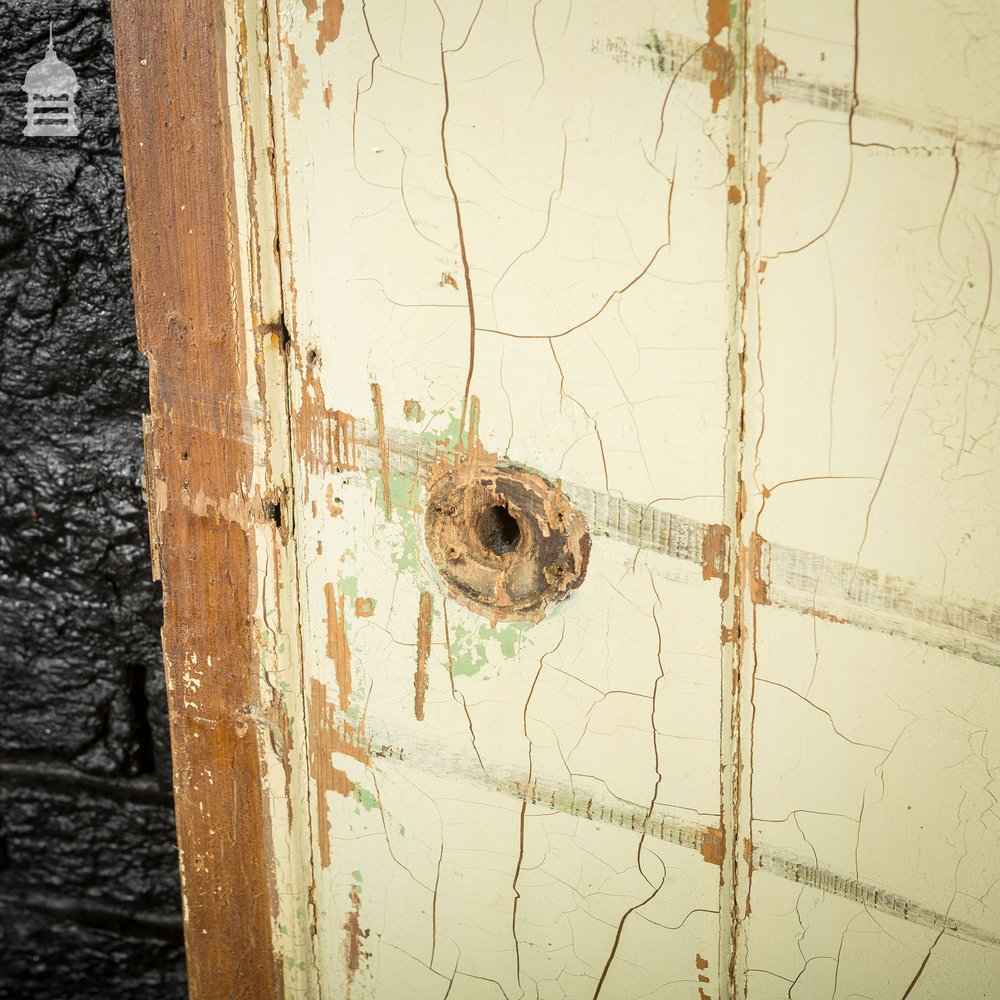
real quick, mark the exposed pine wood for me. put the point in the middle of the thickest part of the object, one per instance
(190, 309)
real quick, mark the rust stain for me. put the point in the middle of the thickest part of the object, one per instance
(352, 951)
(328, 737)
(702, 995)
(759, 574)
(329, 24)
(383, 448)
(715, 556)
(328, 95)
(716, 58)
(297, 80)
(762, 181)
(765, 65)
(364, 607)
(734, 194)
(700, 963)
(713, 845)
(448, 279)
(337, 648)
(412, 410)
(423, 651)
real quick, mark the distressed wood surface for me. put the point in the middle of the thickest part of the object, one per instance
(485, 220)
(211, 491)
(719, 280)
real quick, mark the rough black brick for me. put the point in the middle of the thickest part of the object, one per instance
(89, 902)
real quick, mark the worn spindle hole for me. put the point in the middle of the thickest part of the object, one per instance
(498, 530)
(507, 541)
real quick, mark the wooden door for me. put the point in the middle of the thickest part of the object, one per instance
(571, 472)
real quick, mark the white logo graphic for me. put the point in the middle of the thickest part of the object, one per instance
(51, 86)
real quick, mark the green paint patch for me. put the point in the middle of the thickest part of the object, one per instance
(468, 657)
(472, 650)
(451, 432)
(403, 540)
(508, 636)
(365, 799)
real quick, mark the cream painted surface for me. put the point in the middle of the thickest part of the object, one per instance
(872, 435)
(655, 327)
(448, 852)
(279, 723)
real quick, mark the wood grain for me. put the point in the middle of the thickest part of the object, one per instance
(180, 186)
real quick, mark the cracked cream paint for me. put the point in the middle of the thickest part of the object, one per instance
(726, 274)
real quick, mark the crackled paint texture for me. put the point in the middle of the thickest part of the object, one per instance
(726, 275)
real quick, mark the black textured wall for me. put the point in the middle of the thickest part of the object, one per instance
(89, 902)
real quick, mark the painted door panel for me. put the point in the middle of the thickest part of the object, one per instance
(507, 808)
(701, 297)
(872, 395)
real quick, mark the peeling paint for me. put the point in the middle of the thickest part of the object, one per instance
(297, 80)
(352, 950)
(715, 57)
(330, 737)
(423, 651)
(329, 24)
(383, 448)
(337, 648)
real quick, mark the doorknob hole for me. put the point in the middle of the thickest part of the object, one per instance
(498, 530)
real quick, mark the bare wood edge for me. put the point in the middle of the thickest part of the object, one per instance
(737, 624)
(193, 94)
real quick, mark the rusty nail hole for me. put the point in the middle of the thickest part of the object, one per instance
(499, 530)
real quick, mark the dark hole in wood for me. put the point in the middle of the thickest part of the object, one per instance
(499, 530)
(272, 511)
